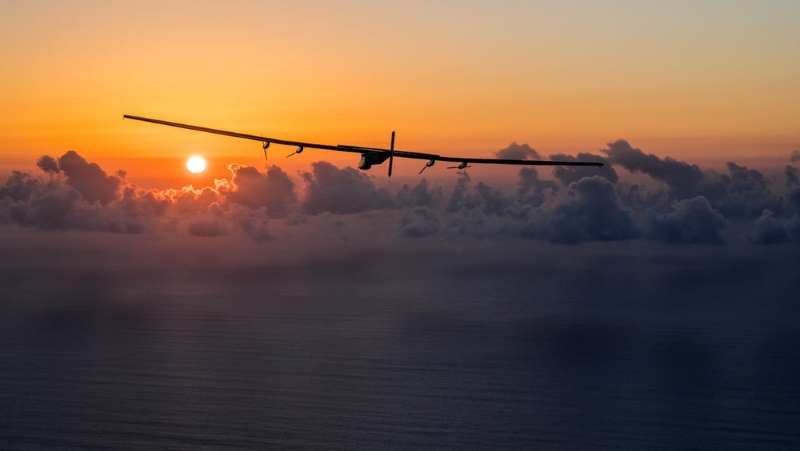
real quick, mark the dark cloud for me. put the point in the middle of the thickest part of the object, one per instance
(516, 151)
(592, 212)
(795, 156)
(252, 223)
(483, 197)
(571, 174)
(419, 222)
(768, 229)
(793, 197)
(791, 176)
(48, 164)
(87, 178)
(587, 210)
(747, 195)
(681, 178)
(692, 221)
(63, 208)
(642, 198)
(341, 191)
(741, 193)
(418, 196)
(456, 197)
(52, 210)
(530, 183)
(273, 190)
(20, 186)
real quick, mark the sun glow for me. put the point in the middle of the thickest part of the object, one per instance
(196, 164)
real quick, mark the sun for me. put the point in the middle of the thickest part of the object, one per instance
(196, 164)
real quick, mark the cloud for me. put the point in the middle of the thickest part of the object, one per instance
(587, 210)
(793, 198)
(741, 193)
(48, 164)
(62, 208)
(791, 176)
(253, 223)
(530, 183)
(341, 191)
(78, 195)
(20, 186)
(681, 178)
(418, 196)
(591, 213)
(419, 222)
(692, 221)
(795, 156)
(571, 174)
(768, 229)
(683, 206)
(516, 151)
(87, 178)
(483, 197)
(273, 190)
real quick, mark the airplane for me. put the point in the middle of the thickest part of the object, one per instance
(369, 155)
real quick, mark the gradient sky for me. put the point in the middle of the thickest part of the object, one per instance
(648, 304)
(706, 81)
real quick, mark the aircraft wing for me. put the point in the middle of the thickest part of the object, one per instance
(369, 155)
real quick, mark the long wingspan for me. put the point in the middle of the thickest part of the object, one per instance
(369, 155)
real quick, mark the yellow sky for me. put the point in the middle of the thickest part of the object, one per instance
(706, 82)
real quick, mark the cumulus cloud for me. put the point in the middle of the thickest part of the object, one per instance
(516, 151)
(418, 196)
(587, 210)
(48, 164)
(741, 193)
(685, 205)
(20, 186)
(744, 193)
(592, 213)
(530, 183)
(692, 221)
(273, 190)
(341, 191)
(681, 178)
(571, 174)
(768, 229)
(419, 222)
(77, 195)
(87, 178)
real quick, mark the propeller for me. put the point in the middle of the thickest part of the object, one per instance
(462, 165)
(391, 155)
(299, 150)
(427, 165)
(266, 146)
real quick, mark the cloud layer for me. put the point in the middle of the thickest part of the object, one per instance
(682, 205)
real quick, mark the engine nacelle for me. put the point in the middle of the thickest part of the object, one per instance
(363, 163)
(368, 159)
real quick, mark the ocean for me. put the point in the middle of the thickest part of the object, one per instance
(553, 347)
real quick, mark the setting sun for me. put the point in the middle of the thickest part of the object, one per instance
(196, 164)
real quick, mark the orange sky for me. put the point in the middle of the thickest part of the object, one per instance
(708, 82)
